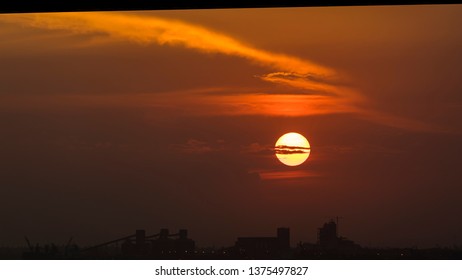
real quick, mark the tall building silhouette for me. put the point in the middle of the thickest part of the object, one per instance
(327, 235)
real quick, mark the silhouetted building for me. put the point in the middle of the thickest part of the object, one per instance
(330, 245)
(327, 235)
(264, 247)
(164, 245)
(161, 245)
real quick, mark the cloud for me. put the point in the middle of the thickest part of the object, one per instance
(323, 90)
(284, 147)
(289, 152)
(257, 148)
(151, 29)
(286, 175)
(155, 30)
(194, 146)
(316, 83)
(286, 150)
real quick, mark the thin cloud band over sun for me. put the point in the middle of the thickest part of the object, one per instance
(323, 94)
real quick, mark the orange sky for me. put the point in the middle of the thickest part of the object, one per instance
(139, 112)
(321, 89)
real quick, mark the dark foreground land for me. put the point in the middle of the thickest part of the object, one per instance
(163, 245)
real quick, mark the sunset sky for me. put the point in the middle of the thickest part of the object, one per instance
(117, 121)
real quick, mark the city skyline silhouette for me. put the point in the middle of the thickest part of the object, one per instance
(165, 245)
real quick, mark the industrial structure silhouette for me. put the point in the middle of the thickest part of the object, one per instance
(164, 245)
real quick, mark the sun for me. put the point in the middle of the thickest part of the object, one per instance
(292, 149)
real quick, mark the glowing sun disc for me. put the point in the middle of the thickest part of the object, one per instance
(292, 149)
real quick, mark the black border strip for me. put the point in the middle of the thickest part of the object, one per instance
(86, 5)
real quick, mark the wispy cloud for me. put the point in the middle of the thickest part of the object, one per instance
(195, 146)
(287, 175)
(286, 150)
(320, 90)
(150, 29)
